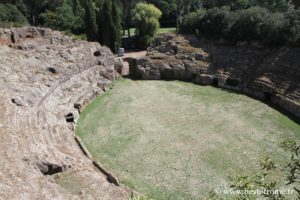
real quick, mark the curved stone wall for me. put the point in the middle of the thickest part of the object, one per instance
(270, 74)
(46, 79)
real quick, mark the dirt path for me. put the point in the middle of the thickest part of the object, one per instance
(134, 54)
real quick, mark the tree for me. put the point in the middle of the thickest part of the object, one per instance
(35, 8)
(62, 18)
(90, 20)
(79, 12)
(145, 19)
(127, 6)
(117, 26)
(274, 5)
(109, 27)
(11, 16)
(182, 7)
(168, 9)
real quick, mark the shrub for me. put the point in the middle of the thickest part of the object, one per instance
(275, 30)
(216, 22)
(62, 18)
(11, 16)
(145, 19)
(252, 24)
(293, 18)
(249, 24)
(274, 5)
(191, 21)
(109, 26)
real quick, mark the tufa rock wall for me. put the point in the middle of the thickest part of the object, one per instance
(46, 79)
(272, 75)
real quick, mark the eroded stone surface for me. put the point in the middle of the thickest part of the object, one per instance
(269, 74)
(45, 76)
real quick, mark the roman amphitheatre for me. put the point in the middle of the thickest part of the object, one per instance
(182, 119)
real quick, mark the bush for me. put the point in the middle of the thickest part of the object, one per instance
(249, 24)
(191, 21)
(275, 30)
(11, 16)
(145, 19)
(294, 27)
(62, 18)
(252, 24)
(274, 5)
(216, 22)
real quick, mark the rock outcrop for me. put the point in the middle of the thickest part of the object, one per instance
(46, 79)
(270, 74)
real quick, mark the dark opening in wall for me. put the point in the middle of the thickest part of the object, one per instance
(52, 70)
(47, 168)
(232, 82)
(78, 106)
(13, 38)
(17, 102)
(70, 118)
(175, 49)
(215, 81)
(97, 53)
(268, 97)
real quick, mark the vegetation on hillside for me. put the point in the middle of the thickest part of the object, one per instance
(11, 16)
(269, 22)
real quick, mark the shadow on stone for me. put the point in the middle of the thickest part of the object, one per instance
(47, 168)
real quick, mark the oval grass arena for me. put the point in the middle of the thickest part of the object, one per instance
(176, 140)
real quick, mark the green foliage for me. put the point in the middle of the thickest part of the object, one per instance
(145, 19)
(62, 18)
(117, 27)
(109, 26)
(255, 24)
(293, 18)
(234, 4)
(76, 37)
(11, 16)
(35, 8)
(248, 25)
(166, 6)
(274, 5)
(293, 168)
(216, 22)
(275, 30)
(190, 22)
(272, 22)
(90, 20)
(168, 9)
(261, 180)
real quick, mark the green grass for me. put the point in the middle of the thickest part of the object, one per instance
(167, 30)
(160, 31)
(176, 140)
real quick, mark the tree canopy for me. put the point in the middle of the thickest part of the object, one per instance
(101, 20)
